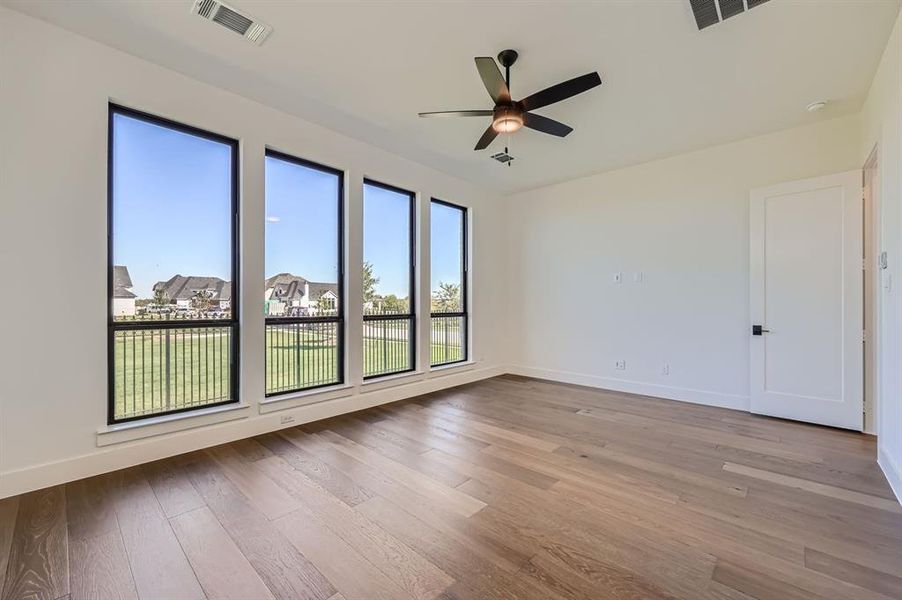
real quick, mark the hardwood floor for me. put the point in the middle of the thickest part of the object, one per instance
(509, 488)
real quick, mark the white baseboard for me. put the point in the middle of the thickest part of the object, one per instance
(120, 456)
(708, 398)
(891, 471)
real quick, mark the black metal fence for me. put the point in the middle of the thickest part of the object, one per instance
(175, 315)
(448, 336)
(302, 355)
(167, 369)
(387, 345)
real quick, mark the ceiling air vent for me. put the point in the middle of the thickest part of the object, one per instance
(730, 8)
(233, 19)
(503, 157)
(712, 12)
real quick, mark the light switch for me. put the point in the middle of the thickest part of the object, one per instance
(618, 277)
(637, 277)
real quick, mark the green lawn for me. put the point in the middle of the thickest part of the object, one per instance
(199, 371)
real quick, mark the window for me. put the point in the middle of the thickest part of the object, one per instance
(173, 277)
(388, 280)
(304, 275)
(448, 241)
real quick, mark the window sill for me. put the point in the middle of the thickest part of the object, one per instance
(304, 397)
(388, 381)
(152, 426)
(451, 368)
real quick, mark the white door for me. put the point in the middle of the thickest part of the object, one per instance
(806, 300)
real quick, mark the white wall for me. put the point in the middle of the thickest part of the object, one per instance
(881, 126)
(683, 222)
(55, 89)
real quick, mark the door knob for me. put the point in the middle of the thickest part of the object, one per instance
(759, 329)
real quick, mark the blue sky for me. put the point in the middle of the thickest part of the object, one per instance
(301, 221)
(172, 204)
(386, 239)
(447, 251)
(172, 215)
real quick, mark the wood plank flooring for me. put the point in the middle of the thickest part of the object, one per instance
(509, 488)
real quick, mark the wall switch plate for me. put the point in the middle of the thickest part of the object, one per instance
(620, 365)
(637, 277)
(618, 277)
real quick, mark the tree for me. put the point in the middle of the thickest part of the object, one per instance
(202, 301)
(393, 304)
(160, 299)
(369, 284)
(446, 298)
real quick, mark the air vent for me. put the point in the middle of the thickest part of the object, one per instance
(705, 12)
(712, 12)
(232, 19)
(731, 8)
(503, 157)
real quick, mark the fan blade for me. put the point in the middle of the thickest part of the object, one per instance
(545, 125)
(486, 139)
(492, 79)
(458, 113)
(561, 91)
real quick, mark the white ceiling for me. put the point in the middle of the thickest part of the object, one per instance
(366, 68)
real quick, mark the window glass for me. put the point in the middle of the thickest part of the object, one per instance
(448, 322)
(387, 279)
(303, 286)
(172, 201)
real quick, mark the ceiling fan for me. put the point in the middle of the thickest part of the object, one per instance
(508, 115)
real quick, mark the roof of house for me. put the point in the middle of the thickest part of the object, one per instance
(318, 289)
(182, 287)
(287, 287)
(122, 281)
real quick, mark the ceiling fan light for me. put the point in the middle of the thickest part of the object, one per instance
(507, 121)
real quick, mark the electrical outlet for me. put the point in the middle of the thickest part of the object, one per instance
(620, 365)
(286, 419)
(665, 370)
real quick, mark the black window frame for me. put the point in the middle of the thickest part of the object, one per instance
(340, 318)
(411, 315)
(464, 286)
(233, 322)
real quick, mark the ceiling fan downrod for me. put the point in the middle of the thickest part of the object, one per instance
(507, 58)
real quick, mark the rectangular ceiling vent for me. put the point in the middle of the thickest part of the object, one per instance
(712, 12)
(503, 157)
(232, 19)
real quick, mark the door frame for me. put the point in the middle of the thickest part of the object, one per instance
(852, 307)
(872, 288)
